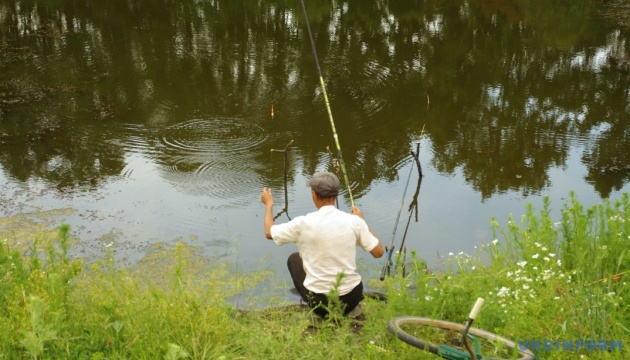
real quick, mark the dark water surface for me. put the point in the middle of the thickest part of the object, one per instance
(141, 122)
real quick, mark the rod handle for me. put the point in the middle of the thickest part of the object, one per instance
(475, 310)
(388, 259)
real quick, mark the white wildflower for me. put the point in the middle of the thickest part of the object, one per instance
(544, 248)
(535, 256)
(521, 263)
(546, 258)
(503, 292)
(450, 254)
(537, 244)
(552, 255)
(495, 241)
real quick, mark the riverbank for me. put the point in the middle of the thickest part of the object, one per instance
(542, 280)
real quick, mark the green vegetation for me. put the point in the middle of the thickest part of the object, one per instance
(541, 280)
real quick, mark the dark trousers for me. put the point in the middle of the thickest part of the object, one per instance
(317, 301)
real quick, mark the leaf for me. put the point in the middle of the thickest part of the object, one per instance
(175, 352)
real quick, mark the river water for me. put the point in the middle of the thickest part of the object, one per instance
(144, 122)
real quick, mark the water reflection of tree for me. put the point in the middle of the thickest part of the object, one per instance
(607, 154)
(505, 99)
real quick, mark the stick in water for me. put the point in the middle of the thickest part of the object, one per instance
(286, 194)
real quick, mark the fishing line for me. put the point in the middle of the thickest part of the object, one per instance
(388, 258)
(332, 122)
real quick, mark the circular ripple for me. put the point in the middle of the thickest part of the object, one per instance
(230, 180)
(213, 136)
(217, 248)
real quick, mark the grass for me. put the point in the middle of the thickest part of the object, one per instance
(541, 279)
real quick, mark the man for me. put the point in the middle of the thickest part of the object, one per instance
(327, 241)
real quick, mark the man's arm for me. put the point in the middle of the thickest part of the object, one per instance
(378, 250)
(267, 199)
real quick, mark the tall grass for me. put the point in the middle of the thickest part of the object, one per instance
(543, 279)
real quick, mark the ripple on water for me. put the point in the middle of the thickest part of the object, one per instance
(213, 157)
(132, 138)
(213, 136)
(232, 178)
(365, 86)
(217, 248)
(210, 157)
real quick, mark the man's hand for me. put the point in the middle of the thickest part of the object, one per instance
(266, 197)
(356, 211)
(378, 251)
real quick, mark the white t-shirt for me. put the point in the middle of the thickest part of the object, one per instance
(327, 241)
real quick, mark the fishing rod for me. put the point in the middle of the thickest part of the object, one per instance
(332, 122)
(388, 257)
(414, 203)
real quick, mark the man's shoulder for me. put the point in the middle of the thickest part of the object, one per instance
(297, 219)
(328, 210)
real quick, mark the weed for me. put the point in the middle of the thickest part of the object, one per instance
(543, 279)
